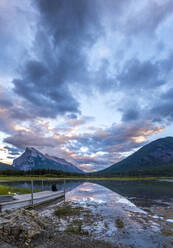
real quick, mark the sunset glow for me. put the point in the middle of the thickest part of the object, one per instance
(86, 81)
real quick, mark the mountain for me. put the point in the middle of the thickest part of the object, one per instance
(153, 158)
(4, 166)
(32, 159)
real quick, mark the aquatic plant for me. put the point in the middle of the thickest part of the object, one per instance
(119, 223)
(67, 210)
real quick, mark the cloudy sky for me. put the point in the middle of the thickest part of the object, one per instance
(88, 81)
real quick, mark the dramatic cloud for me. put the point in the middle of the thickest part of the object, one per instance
(147, 19)
(65, 30)
(100, 148)
(142, 75)
(130, 115)
(90, 81)
(12, 150)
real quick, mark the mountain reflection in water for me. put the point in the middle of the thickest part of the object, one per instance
(91, 193)
(141, 193)
(144, 192)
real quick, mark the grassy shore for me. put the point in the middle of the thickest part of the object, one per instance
(7, 190)
(28, 178)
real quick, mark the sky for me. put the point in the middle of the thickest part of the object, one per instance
(87, 81)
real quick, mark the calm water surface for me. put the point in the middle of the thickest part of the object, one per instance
(141, 193)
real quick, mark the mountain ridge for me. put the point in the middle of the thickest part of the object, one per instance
(33, 159)
(4, 166)
(152, 156)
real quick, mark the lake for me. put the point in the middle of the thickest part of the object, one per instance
(144, 193)
(135, 214)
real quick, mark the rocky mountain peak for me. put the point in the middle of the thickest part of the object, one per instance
(33, 159)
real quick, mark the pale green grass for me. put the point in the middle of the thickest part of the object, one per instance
(7, 190)
(37, 178)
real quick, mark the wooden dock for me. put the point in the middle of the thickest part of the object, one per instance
(27, 200)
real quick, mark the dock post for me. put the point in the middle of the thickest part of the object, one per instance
(32, 196)
(64, 189)
(42, 185)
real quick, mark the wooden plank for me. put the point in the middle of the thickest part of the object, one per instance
(25, 200)
(6, 198)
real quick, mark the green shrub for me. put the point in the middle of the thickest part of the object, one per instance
(67, 210)
(119, 223)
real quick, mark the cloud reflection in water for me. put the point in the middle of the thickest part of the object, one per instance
(91, 193)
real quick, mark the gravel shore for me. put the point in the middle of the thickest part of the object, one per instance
(26, 229)
(87, 225)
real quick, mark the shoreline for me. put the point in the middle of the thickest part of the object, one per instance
(86, 224)
(40, 178)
